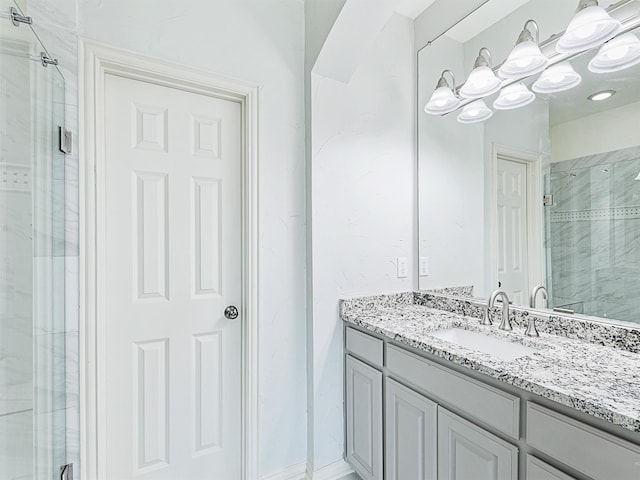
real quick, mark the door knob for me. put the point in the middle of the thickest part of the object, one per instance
(231, 312)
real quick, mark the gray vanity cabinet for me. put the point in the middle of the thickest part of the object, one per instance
(588, 450)
(539, 470)
(410, 434)
(364, 418)
(466, 451)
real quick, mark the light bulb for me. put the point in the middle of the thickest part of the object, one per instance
(482, 81)
(590, 27)
(514, 96)
(475, 112)
(617, 54)
(443, 99)
(557, 78)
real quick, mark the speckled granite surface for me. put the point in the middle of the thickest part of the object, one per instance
(595, 379)
(462, 291)
(622, 335)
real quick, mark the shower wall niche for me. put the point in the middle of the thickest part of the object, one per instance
(34, 372)
(593, 234)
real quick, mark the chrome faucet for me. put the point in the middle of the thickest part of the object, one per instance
(505, 324)
(534, 294)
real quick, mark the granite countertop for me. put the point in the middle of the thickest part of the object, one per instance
(594, 379)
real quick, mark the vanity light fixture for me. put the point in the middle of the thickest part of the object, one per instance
(557, 78)
(526, 58)
(475, 112)
(482, 81)
(443, 99)
(590, 27)
(617, 54)
(514, 96)
(603, 95)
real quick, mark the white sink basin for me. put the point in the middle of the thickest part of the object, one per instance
(497, 347)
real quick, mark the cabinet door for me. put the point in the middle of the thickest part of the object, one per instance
(410, 438)
(364, 419)
(467, 452)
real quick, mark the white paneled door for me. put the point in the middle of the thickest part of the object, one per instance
(172, 238)
(513, 248)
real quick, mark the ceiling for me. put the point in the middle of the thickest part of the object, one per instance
(574, 104)
(488, 14)
(412, 8)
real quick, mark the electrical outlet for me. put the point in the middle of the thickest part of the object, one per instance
(402, 267)
(424, 266)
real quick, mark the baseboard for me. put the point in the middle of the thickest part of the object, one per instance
(294, 472)
(333, 471)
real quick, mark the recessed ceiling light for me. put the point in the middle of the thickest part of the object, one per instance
(599, 96)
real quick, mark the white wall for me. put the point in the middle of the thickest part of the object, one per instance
(451, 181)
(363, 208)
(602, 132)
(261, 41)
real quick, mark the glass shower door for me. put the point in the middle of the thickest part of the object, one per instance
(593, 230)
(33, 377)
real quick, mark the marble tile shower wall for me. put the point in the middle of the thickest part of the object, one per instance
(594, 234)
(16, 277)
(55, 24)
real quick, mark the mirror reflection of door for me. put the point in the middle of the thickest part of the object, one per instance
(516, 227)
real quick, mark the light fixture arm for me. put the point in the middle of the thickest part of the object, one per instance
(443, 81)
(484, 58)
(526, 36)
(582, 4)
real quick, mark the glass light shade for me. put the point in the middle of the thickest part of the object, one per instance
(617, 54)
(475, 112)
(524, 60)
(442, 101)
(557, 78)
(590, 27)
(514, 96)
(481, 83)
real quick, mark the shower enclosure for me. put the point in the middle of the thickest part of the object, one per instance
(593, 235)
(34, 376)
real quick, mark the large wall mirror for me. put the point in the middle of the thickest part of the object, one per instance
(547, 193)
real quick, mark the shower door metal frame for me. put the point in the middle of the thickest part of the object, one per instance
(96, 61)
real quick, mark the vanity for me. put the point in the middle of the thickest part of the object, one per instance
(421, 403)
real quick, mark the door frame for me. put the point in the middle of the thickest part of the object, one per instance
(535, 232)
(97, 60)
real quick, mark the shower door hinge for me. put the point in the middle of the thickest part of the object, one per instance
(17, 18)
(65, 140)
(547, 200)
(66, 472)
(47, 60)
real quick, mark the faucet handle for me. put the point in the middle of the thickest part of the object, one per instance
(486, 318)
(531, 328)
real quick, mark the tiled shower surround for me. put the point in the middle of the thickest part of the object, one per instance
(593, 230)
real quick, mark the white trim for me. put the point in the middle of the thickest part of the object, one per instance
(534, 211)
(333, 471)
(293, 472)
(96, 61)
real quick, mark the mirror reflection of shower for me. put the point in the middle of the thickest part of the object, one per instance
(594, 230)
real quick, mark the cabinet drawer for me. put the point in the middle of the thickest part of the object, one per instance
(490, 406)
(586, 449)
(364, 346)
(539, 470)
